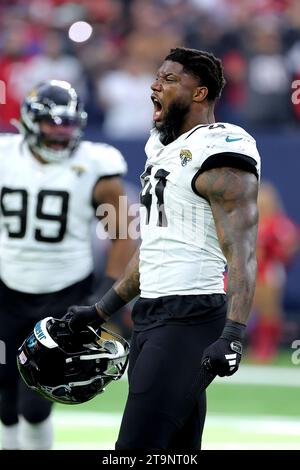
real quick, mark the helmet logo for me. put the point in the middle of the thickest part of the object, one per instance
(32, 93)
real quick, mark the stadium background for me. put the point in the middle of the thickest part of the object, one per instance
(111, 60)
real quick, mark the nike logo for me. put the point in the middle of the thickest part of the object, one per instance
(232, 139)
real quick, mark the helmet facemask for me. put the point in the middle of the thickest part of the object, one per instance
(53, 105)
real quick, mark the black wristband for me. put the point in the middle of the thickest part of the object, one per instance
(111, 302)
(233, 330)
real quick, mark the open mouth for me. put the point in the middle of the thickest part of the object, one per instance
(157, 108)
(56, 144)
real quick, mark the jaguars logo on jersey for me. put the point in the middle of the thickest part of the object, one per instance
(79, 170)
(185, 156)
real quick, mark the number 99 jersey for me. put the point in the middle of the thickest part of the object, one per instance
(46, 214)
(180, 253)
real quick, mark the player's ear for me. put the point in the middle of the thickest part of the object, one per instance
(200, 94)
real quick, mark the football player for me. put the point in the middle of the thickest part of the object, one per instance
(50, 184)
(199, 213)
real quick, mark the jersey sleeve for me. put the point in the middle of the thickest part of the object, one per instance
(10, 144)
(108, 161)
(225, 145)
(7, 140)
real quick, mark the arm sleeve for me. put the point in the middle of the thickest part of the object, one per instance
(232, 147)
(230, 159)
(108, 161)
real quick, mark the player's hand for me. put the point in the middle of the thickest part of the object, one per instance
(78, 318)
(225, 354)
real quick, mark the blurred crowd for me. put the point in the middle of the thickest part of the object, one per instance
(258, 40)
(277, 245)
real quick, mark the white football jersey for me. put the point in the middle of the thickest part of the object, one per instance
(180, 253)
(46, 214)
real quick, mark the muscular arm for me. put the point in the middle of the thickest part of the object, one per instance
(128, 287)
(107, 195)
(232, 195)
(108, 192)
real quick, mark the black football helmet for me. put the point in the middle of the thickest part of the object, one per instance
(54, 102)
(71, 368)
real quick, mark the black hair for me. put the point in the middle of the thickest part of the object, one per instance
(202, 65)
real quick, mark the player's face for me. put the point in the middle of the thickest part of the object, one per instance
(172, 89)
(57, 137)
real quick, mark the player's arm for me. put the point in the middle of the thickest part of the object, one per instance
(232, 195)
(110, 192)
(128, 286)
(124, 290)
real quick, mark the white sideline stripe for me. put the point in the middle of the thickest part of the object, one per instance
(260, 375)
(256, 424)
(264, 375)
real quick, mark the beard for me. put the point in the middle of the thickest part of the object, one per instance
(170, 128)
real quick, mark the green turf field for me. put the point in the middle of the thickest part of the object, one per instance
(257, 408)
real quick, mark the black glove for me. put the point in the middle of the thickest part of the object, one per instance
(79, 317)
(225, 354)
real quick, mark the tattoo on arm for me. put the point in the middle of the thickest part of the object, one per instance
(128, 287)
(232, 195)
